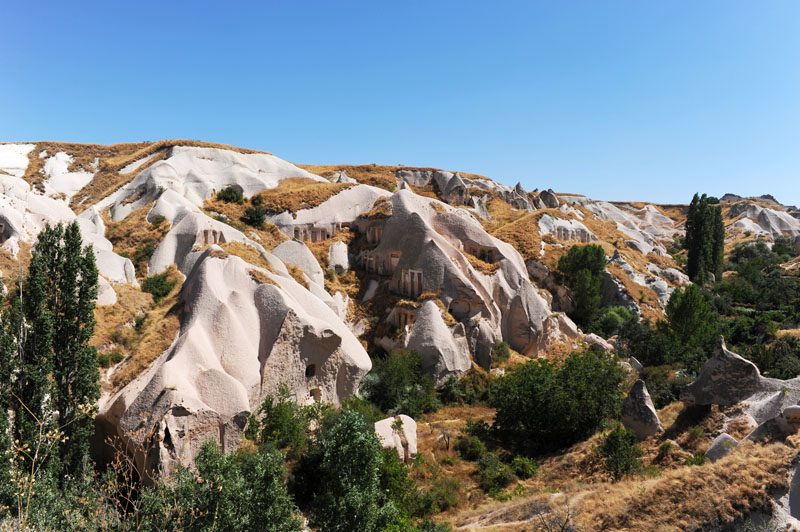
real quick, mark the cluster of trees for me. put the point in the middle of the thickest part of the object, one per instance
(705, 239)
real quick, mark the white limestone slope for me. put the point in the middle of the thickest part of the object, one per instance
(196, 174)
(764, 222)
(60, 181)
(14, 158)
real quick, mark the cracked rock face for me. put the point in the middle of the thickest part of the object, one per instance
(638, 412)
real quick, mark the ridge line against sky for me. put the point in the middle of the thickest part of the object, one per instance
(617, 100)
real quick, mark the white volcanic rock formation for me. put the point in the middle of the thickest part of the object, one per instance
(196, 174)
(328, 218)
(242, 335)
(422, 247)
(403, 439)
(765, 222)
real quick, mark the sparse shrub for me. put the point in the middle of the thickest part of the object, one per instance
(257, 200)
(493, 474)
(159, 285)
(139, 322)
(621, 452)
(158, 219)
(664, 450)
(230, 194)
(448, 460)
(144, 251)
(255, 217)
(471, 388)
(445, 493)
(470, 447)
(695, 433)
(524, 467)
(500, 352)
(698, 458)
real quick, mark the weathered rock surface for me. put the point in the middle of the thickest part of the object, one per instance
(338, 258)
(421, 247)
(638, 412)
(721, 447)
(296, 253)
(240, 338)
(444, 349)
(196, 174)
(402, 440)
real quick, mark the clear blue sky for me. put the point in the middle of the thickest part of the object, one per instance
(629, 100)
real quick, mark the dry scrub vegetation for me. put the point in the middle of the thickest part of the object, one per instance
(297, 193)
(135, 238)
(137, 329)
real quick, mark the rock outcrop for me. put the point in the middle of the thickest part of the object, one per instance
(639, 414)
(398, 433)
(721, 447)
(244, 331)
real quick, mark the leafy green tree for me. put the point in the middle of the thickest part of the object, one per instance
(347, 497)
(282, 422)
(705, 238)
(241, 491)
(693, 324)
(73, 286)
(581, 269)
(398, 386)
(7, 371)
(621, 452)
(541, 407)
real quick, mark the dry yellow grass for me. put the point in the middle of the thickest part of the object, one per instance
(159, 329)
(261, 277)
(10, 265)
(248, 253)
(268, 236)
(297, 193)
(381, 209)
(321, 248)
(523, 234)
(482, 266)
(297, 275)
(135, 237)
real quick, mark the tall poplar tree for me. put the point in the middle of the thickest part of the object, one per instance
(71, 277)
(705, 238)
(7, 374)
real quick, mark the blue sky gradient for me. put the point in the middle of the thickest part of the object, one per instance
(619, 100)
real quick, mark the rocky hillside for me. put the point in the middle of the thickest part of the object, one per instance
(226, 273)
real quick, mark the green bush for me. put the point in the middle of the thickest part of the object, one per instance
(541, 407)
(493, 474)
(470, 447)
(697, 459)
(524, 467)
(241, 491)
(397, 385)
(471, 388)
(664, 384)
(255, 217)
(621, 452)
(159, 285)
(500, 352)
(281, 422)
(158, 219)
(230, 194)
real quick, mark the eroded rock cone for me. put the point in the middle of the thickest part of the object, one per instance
(638, 412)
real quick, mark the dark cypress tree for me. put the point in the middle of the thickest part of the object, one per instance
(32, 322)
(7, 372)
(705, 238)
(73, 281)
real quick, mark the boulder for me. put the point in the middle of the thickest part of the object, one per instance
(638, 412)
(726, 379)
(721, 447)
(635, 364)
(594, 340)
(549, 199)
(338, 258)
(402, 439)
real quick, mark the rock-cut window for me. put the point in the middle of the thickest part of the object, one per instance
(311, 370)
